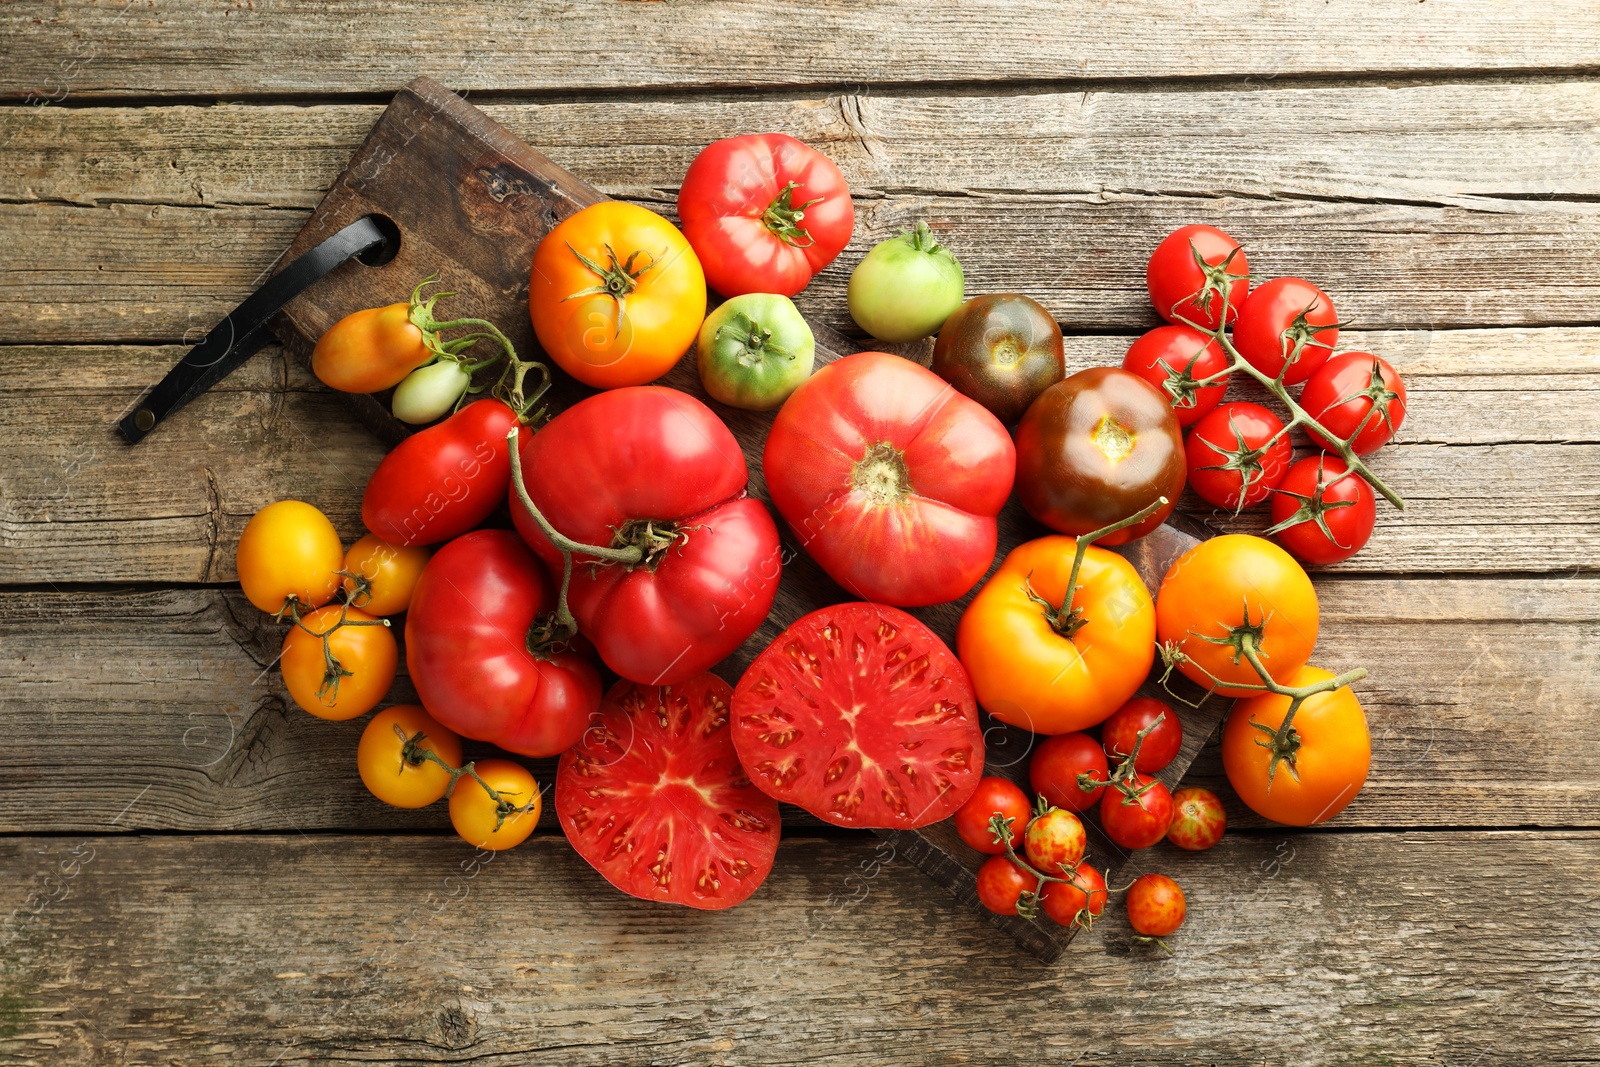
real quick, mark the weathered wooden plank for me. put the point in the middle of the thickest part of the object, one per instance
(1496, 458)
(167, 697)
(140, 272)
(1409, 948)
(77, 48)
(1456, 143)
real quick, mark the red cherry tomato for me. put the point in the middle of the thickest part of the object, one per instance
(1155, 905)
(1055, 841)
(1181, 288)
(1198, 819)
(1001, 884)
(1120, 732)
(1055, 767)
(1323, 512)
(1076, 901)
(442, 482)
(1137, 821)
(995, 796)
(1344, 390)
(764, 213)
(1286, 322)
(1237, 455)
(1174, 359)
(467, 649)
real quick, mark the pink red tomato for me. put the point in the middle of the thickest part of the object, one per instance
(442, 482)
(468, 654)
(1190, 273)
(1139, 817)
(1198, 819)
(1237, 455)
(1055, 767)
(1322, 511)
(1286, 322)
(764, 213)
(1155, 905)
(1160, 747)
(994, 796)
(1175, 359)
(1343, 394)
(890, 479)
(654, 469)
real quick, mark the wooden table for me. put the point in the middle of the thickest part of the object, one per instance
(192, 872)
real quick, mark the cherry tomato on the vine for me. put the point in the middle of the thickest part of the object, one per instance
(1198, 819)
(358, 674)
(1237, 455)
(1160, 747)
(384, 575)
(289, 551)
(1342, 395)
(1286, 322)
(1322, 511)
(1001, 884)
(484, 822)
(1175, 359)
(1076, 901)
(995, 796)
(1139, 820)
(1054, 841)
(1055, 767)
(1155, 905)
(385, 771)
(1191, 270)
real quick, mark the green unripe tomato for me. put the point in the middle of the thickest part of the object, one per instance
(754, 351)
(906, 287)
(427, 393)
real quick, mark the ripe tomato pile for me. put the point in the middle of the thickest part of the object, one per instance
(535, 558)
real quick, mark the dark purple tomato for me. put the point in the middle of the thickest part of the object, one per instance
(1001, 350)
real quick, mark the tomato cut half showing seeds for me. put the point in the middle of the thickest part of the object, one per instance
(859, 714)
(653, 796)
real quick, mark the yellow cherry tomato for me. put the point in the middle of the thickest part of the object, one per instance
(388, 573)
(388, 775)
(348, 678)
(475, 814)
(289, 551)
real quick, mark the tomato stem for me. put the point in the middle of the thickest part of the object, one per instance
(412, 753)
(782, 217)
(1068, 618)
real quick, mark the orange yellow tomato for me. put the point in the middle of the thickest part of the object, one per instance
(1028, 672)
(1229, 589)
(371, 350)
(384, 768)
(388, 574)
(289, 551)
(1331, 757)
(352, 675)
(616, 295)
(477, 816)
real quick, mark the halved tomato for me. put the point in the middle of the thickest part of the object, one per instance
(859, 714)
(654, 797)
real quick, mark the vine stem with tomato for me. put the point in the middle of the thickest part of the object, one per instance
(332, 670)
(413, 754)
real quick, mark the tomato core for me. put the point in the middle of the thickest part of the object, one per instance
(652, 537)
(882, 474)
(1112, 439)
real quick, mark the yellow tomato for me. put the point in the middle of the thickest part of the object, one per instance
(380, 757)
(370, 350)
(1026, 668)
(1332, 752)
(616, 295)
(289, 551)
(348, 678)
(474, 813)
(389, 574)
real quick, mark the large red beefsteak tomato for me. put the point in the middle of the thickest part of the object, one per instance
(654, 469)
(890, 479)
(467, 649)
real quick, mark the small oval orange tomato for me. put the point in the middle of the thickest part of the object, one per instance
(386, 575)
(289, 551)
(616, 295)
(1332, 753)
(385, 770)
(1026, 668)
(484, 822)
(370, 350)
(352, 675)
(1237, 590)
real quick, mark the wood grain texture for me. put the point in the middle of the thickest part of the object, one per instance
(78, 48)
(1395, 948)
(167, 696)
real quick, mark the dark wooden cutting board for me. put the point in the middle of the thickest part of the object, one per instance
(472, 201)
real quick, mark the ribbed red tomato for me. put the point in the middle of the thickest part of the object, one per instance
(654, 797)
(861, 715)
(653, 468)
(468, 654)
(890, 479)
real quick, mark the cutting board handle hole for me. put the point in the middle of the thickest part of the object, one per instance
(378, 255)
